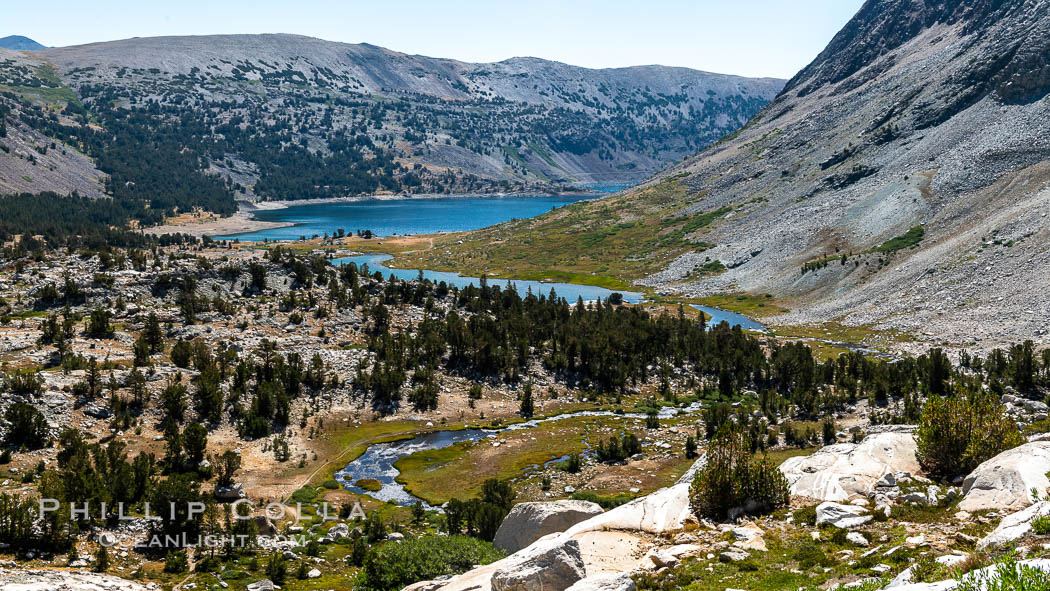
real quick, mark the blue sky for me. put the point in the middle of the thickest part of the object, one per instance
(745, 37)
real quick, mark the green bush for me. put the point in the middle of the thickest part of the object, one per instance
(1041, 526)
(618, 449)
(277, 568)
(806, 515)
(956, 433)
(176, 562)
(305, 494)
(925, 570)
(1007, 575)
(810, 554)
(331, 484)
(909, 239)
(732, 479)
(605, 502)
(573, 465)
(28, 427)
(394, 566)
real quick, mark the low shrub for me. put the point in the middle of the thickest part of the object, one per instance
(176, 562)
(810, 554)
(605, 502)
(305, 494)
(394, 566)
(806, 515)
(1041, 526)
(1006, 575)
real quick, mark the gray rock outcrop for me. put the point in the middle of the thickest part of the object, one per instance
(605, 582)
(528, 522)
(847, 470)
(1014, 526)
(1007, 480)
(551, 564)
(842, 516)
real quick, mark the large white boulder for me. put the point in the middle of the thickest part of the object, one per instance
(528, 522)
(606, 582)
(1006, 481)
(50, 580)
(1014, 526)
(842, 516)
(846, 470)
(551, 564)
(613, 543)
(663, 511)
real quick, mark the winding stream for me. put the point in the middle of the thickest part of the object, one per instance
(404, 216)
(378, 460)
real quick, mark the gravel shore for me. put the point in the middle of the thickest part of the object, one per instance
(240, 222)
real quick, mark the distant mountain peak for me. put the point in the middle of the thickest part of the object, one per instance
(20, 43)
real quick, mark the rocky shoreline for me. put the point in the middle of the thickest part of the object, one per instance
(240, 222)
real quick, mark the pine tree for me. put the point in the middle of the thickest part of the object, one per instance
(101, 560)
(690, 447)
(141, 351)
(527, 409)
(152, 334)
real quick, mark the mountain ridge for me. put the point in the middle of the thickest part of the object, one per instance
(20, 43)
(899, 182)
(265, 108)
(942, 131)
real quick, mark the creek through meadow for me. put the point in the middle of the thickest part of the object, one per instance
(378, 460)
(386, 217)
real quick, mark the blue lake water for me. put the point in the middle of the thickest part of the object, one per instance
(569, 291)
(387, 217)
(607, 187)
(719, 316)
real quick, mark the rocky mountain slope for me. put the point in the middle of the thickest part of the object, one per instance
(285, 117)
(930, 114)
(30, 160)
(900, 180)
